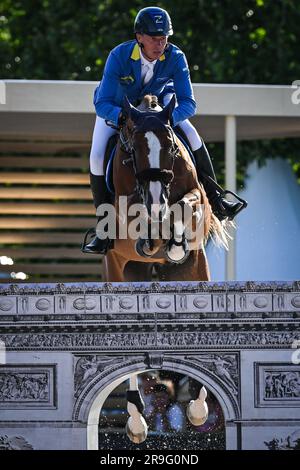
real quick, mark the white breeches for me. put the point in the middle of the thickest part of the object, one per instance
(102, 132)
(191, 134)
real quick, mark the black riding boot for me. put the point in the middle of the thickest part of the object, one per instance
(206, 175)
(100, 196)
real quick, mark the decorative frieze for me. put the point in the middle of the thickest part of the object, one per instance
(103, 298)
(153, 340)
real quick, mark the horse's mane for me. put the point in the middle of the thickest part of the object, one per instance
(149, 103)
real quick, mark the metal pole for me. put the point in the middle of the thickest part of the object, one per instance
(230, 183)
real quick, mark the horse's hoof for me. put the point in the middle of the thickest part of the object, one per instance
(177, 253)
(174, 259)
(140, 434)
(197, 410)
(142, 247)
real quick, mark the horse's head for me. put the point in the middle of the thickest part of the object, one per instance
(152, 144)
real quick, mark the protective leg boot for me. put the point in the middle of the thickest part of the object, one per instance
(134, 396)
(100, 193)
(216, 195)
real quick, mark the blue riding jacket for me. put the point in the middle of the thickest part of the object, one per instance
(122, 76)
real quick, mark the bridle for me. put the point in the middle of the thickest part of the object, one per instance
(150, 174)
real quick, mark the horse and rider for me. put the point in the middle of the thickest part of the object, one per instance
(149, 65)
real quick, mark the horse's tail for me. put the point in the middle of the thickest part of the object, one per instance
(218, 231)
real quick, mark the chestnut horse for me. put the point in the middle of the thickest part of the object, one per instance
(153, 168)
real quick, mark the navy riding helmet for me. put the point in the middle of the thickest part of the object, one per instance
(153, 21)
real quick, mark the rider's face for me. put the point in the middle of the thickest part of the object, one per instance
(154, 46)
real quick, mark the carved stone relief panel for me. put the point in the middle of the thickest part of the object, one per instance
(27, 386)
(88, 367)
(224, 366)
(290, 442)
(277, 385)
(14, 443)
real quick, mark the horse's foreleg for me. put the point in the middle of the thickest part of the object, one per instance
(185, 210)
(138, 271)
(114, 265)
(195, 219)
(195, 268)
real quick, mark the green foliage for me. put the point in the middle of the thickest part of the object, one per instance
(225, 41)
(62, 40)
(256, 150)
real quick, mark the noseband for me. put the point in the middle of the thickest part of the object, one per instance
(155, 174)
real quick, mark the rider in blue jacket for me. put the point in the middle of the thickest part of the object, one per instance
(148, 65)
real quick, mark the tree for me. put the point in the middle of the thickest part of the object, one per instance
(225, 41)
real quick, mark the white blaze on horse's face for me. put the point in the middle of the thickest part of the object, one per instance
(154, 149)
(155, 187)
(155, 191)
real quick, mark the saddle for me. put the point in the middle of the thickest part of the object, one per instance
(110, 152)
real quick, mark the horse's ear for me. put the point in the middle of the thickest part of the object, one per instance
(130, 111)
(166, 113)
(126, 106)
